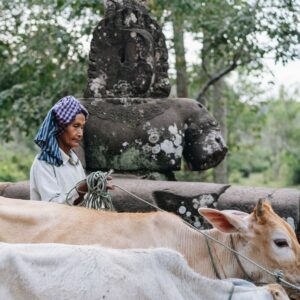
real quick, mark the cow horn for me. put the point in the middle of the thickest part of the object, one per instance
(260, 207)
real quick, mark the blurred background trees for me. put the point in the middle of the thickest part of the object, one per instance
(44, 53)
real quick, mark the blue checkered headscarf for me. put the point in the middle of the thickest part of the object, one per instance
(58, 118)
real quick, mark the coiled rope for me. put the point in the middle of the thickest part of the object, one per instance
(97, 196)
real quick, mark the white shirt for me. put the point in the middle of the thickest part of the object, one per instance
(51, 183)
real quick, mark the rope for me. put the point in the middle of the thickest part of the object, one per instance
(248, 277)
(277, 274)
(212, 259)
(97, 196)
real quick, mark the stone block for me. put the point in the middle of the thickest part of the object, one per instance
(184, 198)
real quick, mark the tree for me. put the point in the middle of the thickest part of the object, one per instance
(179, 47)
(42, 58)
(241, 36)
(234, 35)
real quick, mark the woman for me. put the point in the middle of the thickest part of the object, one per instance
(57, 169)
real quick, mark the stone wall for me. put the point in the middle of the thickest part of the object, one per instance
(184, 198)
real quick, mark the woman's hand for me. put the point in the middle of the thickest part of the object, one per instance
(82, 188)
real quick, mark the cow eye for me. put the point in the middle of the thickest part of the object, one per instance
(281, 243)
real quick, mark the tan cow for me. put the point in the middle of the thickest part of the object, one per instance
(262, 236)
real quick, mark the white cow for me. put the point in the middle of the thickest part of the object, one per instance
(56, 271)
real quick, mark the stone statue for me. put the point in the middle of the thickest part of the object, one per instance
(151, 135)
(128, 56)
(133, 127)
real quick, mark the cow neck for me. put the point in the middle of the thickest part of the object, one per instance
(194, 247)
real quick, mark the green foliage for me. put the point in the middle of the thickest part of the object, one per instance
(15, 162)
(239, 34)
(194, 176)
(263, 139)
(43, 58)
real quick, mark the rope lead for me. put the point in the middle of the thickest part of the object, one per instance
(97, 196)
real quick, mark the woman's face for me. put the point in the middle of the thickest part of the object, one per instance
(72, 135)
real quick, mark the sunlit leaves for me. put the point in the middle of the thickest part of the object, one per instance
(42, 58)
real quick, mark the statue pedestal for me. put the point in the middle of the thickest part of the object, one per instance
(142, 134)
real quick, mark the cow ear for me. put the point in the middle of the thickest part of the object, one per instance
(226, 221)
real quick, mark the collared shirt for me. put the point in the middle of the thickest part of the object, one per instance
(52, 183)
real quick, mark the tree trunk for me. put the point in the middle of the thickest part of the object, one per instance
(180, 64)
(220, 173)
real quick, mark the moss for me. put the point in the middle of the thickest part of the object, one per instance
(133, 159)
